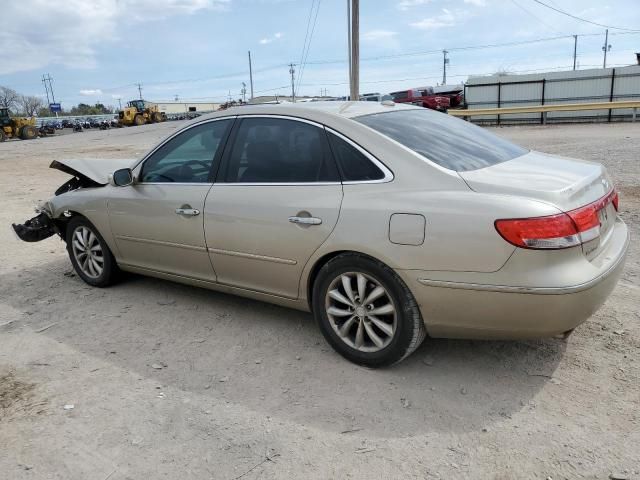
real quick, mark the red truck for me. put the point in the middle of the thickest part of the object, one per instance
(423, 97)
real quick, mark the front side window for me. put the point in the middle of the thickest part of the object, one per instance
(188, 157)
(450, 142)
(275, 150)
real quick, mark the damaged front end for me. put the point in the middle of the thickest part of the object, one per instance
(85, 174)
(36, 229)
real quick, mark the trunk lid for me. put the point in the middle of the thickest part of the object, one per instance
(563, 182)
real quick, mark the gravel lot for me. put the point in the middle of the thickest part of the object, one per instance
(170, 381)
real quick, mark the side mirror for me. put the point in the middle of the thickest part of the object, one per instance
(121, 178)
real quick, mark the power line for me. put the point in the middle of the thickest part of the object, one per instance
(583, 19)
(530, 13)
(306, 55)
(306, 35)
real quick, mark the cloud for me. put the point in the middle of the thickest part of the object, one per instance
(271, 38)
(376, 35)
(90, 92)
(407, 4)
(42, 33)
(446, 19)
(477, 3)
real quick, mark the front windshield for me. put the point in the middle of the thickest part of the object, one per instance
(448, 141)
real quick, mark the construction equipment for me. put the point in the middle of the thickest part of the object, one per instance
(21, 127)
(139, 112)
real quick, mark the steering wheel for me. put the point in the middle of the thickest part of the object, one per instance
(187, 171)
(196, 162)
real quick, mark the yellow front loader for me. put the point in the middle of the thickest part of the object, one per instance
(19, 127)
(139, 112)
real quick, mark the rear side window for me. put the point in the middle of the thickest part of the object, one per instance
(353, 164)
(450, 142)
(274, 150)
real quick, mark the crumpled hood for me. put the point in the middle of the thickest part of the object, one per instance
(96, 169)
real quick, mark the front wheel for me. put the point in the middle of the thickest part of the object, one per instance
(89, 253)
(28, 132)
(366, 312)
(138, 120)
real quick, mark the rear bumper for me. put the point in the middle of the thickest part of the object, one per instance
(496, 310)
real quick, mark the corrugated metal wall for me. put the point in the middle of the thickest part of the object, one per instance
(579, 86)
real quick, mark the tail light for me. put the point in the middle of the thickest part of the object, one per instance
(564, 230)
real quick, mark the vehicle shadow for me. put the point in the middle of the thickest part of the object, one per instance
(274, 360)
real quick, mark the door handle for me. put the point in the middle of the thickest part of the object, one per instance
(306, 220)
(192, 212)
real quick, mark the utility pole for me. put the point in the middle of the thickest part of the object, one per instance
(349, 40)
(46, 79)
(355, 50)
(445, 62)
(139, 89)
(244, 92)
(606, 47)
(250, 75)
(120, 103)
(292, 71)
(46, 89)
(575, 50)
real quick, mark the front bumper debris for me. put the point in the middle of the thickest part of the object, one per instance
(36, 229)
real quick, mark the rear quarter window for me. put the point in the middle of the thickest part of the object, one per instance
(447, 141)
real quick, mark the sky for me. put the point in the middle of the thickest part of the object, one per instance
(96, 51)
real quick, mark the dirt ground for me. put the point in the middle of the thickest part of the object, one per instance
(169, 381)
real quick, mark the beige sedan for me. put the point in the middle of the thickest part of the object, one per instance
(388, 222)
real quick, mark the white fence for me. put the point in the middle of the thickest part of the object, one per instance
(552, 88)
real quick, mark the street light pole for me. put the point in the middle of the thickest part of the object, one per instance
(575, 50)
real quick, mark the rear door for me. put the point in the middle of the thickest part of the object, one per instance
(158, 221)
(275, 201)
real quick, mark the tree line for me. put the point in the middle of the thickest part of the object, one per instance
(30, 106)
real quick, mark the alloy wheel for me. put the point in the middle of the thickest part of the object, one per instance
(361, 311)
(87, 252)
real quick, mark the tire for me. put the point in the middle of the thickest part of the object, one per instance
(138, 120)
(3, 136)
(403, 329)
(156, 117)
(79, 233)
(28, 132)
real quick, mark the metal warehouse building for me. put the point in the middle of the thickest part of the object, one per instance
(574, 86)
(186, 107)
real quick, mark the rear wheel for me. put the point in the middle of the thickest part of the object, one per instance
(28, 132)
(157, 117)
(138, 120)
(366, 312)
(90, 254)
(3, 136)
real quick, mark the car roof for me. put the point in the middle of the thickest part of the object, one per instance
(312, 110)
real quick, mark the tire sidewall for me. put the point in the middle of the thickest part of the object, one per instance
(110, 267)
(398, 346)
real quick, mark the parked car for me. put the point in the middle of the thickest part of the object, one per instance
(422, 97)
(388, 222)
(375, 97)
(67, 123)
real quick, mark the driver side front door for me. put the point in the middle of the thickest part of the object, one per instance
(158, 221)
